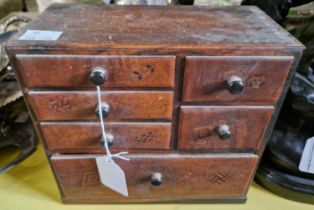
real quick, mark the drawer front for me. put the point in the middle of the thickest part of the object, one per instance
(73, 71)
(81, 105)
(188, 176)
(204, 127)
(80, 137)
(206, 79)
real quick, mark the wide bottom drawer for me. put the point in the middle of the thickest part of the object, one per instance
(184, 177)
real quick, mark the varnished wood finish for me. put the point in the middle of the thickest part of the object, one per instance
(194, 50)
(81, 105)
(205, 78)
(189, 176)
(122, 71)
(157, 27)
(198, 126)
(84, 137)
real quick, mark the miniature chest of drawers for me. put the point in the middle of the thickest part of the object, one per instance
(192, 93)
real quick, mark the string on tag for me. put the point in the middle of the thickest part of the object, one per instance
(103, 132)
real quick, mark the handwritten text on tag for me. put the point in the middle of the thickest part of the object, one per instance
(39, 35)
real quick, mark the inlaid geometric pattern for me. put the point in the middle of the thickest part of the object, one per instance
(147, 137)
(90, 178)
(144, 71)
(220, 178)
(59, 104)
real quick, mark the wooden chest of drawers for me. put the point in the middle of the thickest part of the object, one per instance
(192, 94)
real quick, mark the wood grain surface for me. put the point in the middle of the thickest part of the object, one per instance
(81, 105)
(198, 125)
(84, 137)
(41, 71)
(205, 78)
(156, 27)
(189, 176)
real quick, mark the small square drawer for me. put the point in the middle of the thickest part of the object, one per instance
(223, 127)
(235, 79)
(84, 137)
(120, 105)
(185, 176)
(73, 71)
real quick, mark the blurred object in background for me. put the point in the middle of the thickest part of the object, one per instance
(140, 2)
(43, 4)
(9, 6)
(16, 131)
(217, 2)
(8, 26)
(288, 162)
(17, 135)
(300, 23)
(150, 2)
(277, 9)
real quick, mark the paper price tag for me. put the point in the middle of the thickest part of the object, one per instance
(111, 175)
(307, 159)
(39, 35)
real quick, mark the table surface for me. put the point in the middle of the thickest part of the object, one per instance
(31, 186)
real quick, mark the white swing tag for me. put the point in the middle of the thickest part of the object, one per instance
(111, 175)
(39, 35)
(307, 159)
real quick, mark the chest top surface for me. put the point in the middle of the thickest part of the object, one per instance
(108, 27)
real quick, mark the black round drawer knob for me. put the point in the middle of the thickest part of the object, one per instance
(98, 76)
(223, 132)
(235, 85)
(109, 138)
(156, 179)
(105, 109)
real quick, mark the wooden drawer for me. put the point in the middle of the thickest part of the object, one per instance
(81, 137)
(189, 176)
(81, 105)
(206, 78)
(199, 127)
(73, 70)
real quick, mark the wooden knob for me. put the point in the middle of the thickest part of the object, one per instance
(156, 179)
(235, 85)
(223, 132)
(98, 76)
(105, 109)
